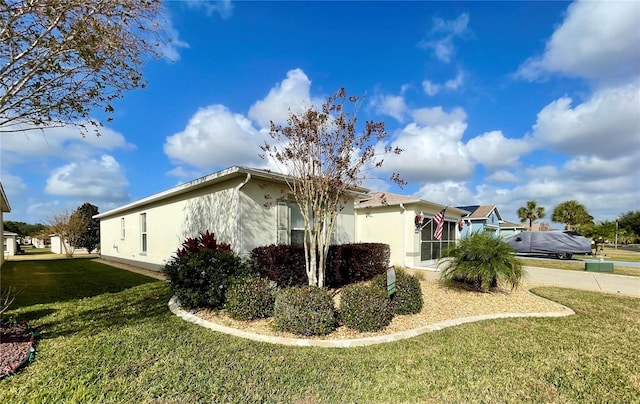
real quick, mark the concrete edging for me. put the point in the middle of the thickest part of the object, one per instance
(355, 342)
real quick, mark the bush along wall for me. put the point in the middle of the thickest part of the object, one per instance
(346, 263)
(202, 270)
(407, 298)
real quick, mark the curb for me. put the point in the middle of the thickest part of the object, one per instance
(355, 342)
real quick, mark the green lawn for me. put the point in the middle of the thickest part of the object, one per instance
(120, 344)
(608, 254)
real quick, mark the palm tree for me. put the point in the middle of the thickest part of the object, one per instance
(481, 260)
(530, 212)
(571, 213)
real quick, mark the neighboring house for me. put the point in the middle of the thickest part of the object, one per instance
(58, 248)
(484, 218)
(10, 243)
(39, 242)
(4, 208)
(509, 228)
(244, 207)
(388, 218)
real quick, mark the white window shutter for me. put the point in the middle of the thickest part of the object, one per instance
(282, 223)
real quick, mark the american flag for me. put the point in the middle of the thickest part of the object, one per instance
(439, 221)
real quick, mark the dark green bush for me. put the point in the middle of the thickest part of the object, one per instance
(365, 307)
(346, 263)
(481, 260)
(250, 298)
(305, 311)
(283, 264)
(202, 271)
(408, 296)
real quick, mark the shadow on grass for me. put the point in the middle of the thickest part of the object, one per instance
(60, 280)
(109, 311)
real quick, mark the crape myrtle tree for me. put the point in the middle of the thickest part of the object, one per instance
(571, 213)
(62, 59)
(325, 155)
(69, 228)
(531, 212)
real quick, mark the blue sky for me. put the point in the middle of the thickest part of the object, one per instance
(495, 103)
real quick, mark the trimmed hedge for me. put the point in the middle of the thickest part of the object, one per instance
(365, 307)
(408, 297)
(250, 298)
(346, 263)
(305, 311)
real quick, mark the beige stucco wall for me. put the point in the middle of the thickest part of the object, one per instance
(241, 214)
(9, 245)
(259, 199)
(169, 222)
(395, 225)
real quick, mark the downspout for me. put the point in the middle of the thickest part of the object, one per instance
(239, 221)
(404, 237)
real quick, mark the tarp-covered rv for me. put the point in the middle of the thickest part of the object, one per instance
(562, 244)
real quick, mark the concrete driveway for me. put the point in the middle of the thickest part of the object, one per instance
(596, 281)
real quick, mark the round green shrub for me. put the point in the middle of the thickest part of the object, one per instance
(408, 296)
(305, 311)
(202, 271)
(365, 307)
(250, 298)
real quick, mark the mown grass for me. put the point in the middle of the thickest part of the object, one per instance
(575, 264)
(125, 346)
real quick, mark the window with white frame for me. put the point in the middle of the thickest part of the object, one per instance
(143, 232)
(122, 232)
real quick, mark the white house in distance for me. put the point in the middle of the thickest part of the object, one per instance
(388, 218)
(10, 241)
(4, 208)
(244, 207)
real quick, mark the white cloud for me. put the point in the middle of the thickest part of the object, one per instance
(598, 40)
(392, 105)
(223, 8)
(97, 180)
(447, 193)
(431, 153)
(171, 49)
(502, 176)
(606, 125)
(216, 137)
(442, 34)
(437, 116)
(493, 150)
(181, 172)
(430, 88)
(291, 95)
(12, 185)
(57, 142)
(455, 83)
(591, 168)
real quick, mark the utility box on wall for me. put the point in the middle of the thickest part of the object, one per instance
(598, 266)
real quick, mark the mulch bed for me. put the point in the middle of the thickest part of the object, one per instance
(441, 303)
(17, 347)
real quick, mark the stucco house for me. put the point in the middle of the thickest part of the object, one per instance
(485, 218)
(245, 207)
(4, 208)
(58, 248)
(384, 217)
(9, 243)
(508, 228)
